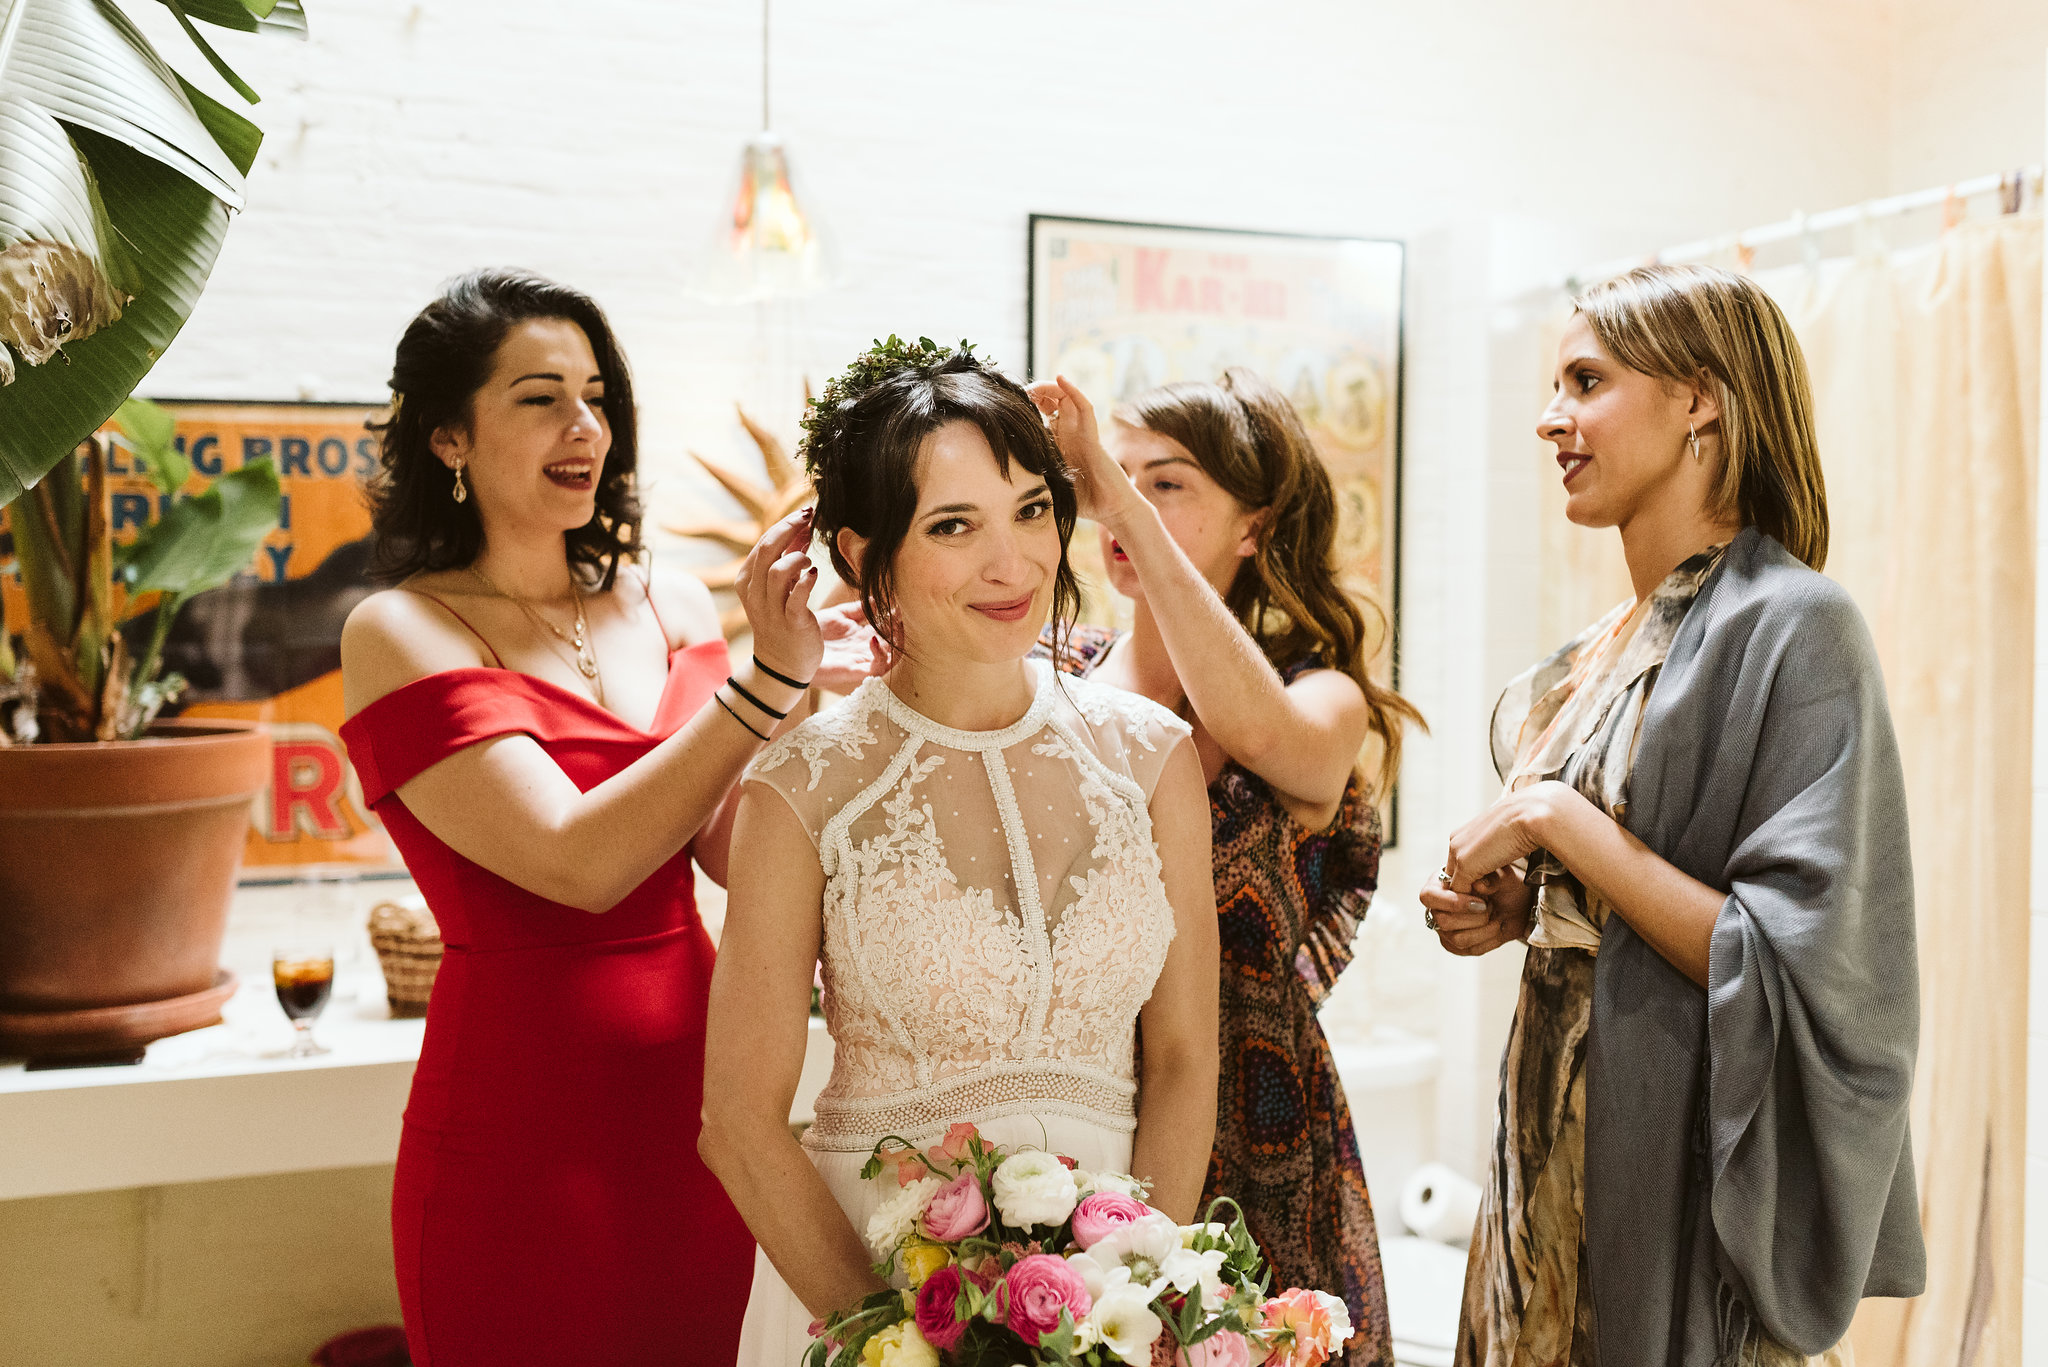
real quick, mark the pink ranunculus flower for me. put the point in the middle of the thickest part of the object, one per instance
(1103, 1212)
(935, 1301)
(1041, 1286)
(909, 1163)
(1221, 1349)
(953, 1148)
(1307, 1315)
(956, 1211)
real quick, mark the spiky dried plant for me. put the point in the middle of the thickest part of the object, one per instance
(786, 490)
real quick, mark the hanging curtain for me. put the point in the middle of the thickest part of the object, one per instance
(1927, 376)
(1926, 368)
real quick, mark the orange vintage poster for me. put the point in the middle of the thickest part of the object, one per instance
(267, 646)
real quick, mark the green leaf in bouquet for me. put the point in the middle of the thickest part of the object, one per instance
(150, 434)
(853, 1328)
(1059, 1343)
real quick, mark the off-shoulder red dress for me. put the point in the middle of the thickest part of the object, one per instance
(550, 1207)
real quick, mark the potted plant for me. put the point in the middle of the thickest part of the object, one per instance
(119, 835)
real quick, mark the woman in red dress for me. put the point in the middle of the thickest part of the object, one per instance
(548, 733)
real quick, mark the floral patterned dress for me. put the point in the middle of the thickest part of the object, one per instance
(1289, 902)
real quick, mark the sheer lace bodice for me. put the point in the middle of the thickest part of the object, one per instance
(993, 916)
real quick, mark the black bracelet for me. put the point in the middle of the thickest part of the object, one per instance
(741, 689)
(780, 677)
(736, 716)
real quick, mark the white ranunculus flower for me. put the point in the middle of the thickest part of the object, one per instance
(1185, 1269)
(1214, 1229)
(1140, 1249)
(1034, 1188)
(1340, 1320)
(897, 1216)
(1100, 1278)
(1092, 1182)
(1122, 1320)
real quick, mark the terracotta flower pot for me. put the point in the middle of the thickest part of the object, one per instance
(117, 863)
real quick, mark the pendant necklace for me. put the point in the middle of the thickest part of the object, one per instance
(579, 643)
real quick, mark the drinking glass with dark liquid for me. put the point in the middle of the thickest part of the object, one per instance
(304, 977)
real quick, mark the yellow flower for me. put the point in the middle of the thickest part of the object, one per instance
(900, 1345)
(921, 1260)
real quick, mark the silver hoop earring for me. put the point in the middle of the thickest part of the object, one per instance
(1692, 438)
(461, 490)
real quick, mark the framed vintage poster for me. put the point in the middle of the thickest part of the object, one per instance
(1121, 307)
(267, 645)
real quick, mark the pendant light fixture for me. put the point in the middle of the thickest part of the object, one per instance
(766, 244)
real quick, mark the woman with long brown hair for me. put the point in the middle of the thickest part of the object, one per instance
(1218, 521)
(1702, 1156)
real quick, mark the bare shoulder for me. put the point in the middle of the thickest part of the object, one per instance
(1333, 698)
(395, 636)
(684, 605)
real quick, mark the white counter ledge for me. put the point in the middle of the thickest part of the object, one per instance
(224, 1101)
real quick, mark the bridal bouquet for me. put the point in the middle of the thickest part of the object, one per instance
(1022, 1258)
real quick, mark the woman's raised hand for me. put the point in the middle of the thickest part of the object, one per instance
(774, 587)
(1105, 492)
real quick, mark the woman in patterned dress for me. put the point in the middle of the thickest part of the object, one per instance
(1218, 520)
(1702, 1155)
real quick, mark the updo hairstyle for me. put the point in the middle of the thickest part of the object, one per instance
(864, 442)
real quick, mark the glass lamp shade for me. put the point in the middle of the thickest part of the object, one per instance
(766, 244)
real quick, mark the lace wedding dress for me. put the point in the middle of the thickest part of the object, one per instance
(993, 921)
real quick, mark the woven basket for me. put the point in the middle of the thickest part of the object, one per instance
(409, 950)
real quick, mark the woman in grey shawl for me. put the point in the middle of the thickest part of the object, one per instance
(1702, 1158)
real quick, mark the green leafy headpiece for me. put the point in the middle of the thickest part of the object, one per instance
(880, 362)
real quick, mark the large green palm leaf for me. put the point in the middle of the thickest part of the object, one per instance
(116, 178)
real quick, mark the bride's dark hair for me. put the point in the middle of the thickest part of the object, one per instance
(862, 441)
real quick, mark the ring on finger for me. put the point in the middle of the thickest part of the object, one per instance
(1429, 917)
(1443, 876)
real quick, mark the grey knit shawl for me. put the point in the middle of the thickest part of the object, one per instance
(1747, 1159)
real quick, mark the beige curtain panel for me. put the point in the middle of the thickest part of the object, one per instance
(1926, 372)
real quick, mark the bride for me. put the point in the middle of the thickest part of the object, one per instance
(1004, 872)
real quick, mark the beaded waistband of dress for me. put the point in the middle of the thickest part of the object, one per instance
(857, 1124)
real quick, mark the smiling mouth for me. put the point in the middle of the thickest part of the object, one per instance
(1116, 553)
(578, 475)
(1005, 612)
(1572, 464)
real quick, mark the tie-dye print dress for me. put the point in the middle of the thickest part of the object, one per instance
(1576, 717)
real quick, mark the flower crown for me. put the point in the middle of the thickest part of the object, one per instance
(880, 362)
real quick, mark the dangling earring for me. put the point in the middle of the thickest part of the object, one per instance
(461, 491)
(1692, 438)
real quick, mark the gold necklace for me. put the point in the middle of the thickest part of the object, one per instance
(580, 643)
